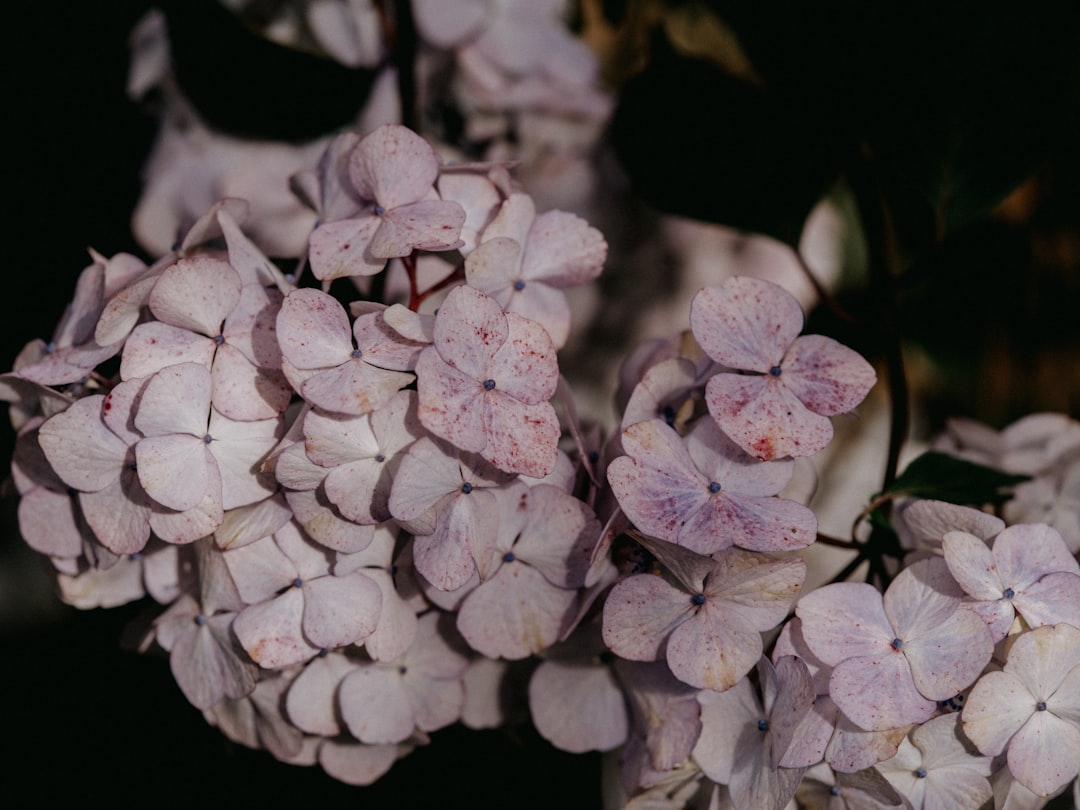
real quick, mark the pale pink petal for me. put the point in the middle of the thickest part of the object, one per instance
(340, 610)
(995, 709)
(191, 524)
(764, 417)
(1026, 552)
(82, 450)
(524, 367)
(520, 438)
(721, 460)
(844, 620)
(972, 564)
(206, 665)
(1054, 599)
(173, 469)
(339, 249)
(713, 649)
(356, 763)
(546, 306)
(827, 376)
(515, 614)
(640, 613)
(375, 705)
(493, 267)
(426, 475)
(445, 26)
(1044, 755)
(424, 225)
(393, 166)
(450, 402)
(313, 330)
(119, 515)
(747, 323)
(353, 388)
(878, 692)
(196, 294)
(310, 702)
(578, 707)
(244, 391)
(270, 632)
(759, 586)
(563, 250)
(325, 524)
(175, 400)
(154, 345)
(397, 621)
(469, 526)
(469, 329)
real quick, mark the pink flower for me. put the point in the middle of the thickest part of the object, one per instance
(337, 368)
(1031, 709)
(1028, 571)
(781, 408)
(485, 383)
(705, 493)
(709, 626)
(525, 261)
(895, 656)
(394, 171)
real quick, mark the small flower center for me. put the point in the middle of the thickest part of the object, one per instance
(714, 487)
(594, 456)
(380, 458)
(391, 570)
(509, 557)
(357, 354)
(50, 347)
(519, 285)
(762, 725)
(466, 488)
(1009, 593)
(775, 371)
(402, 670)
(1040, 706)
(379, 210)
(834, 791)
(489, 384)
(200, 620)
(323, 652)
(298, 583)
(897, 643)
(699, 599)
(207, 438)
(920, 773)
(219, 339)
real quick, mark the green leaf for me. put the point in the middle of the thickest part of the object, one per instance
(947, 478)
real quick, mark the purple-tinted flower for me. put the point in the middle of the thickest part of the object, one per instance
(782, 407)
(705, 493)
(1030, 710)
(1029, 571)
(893, 657)
(485, 383)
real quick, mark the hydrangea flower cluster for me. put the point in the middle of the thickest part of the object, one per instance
(355, 516)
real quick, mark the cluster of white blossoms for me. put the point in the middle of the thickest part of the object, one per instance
(354, 515)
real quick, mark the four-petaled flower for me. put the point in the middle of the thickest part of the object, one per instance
(782, 408)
